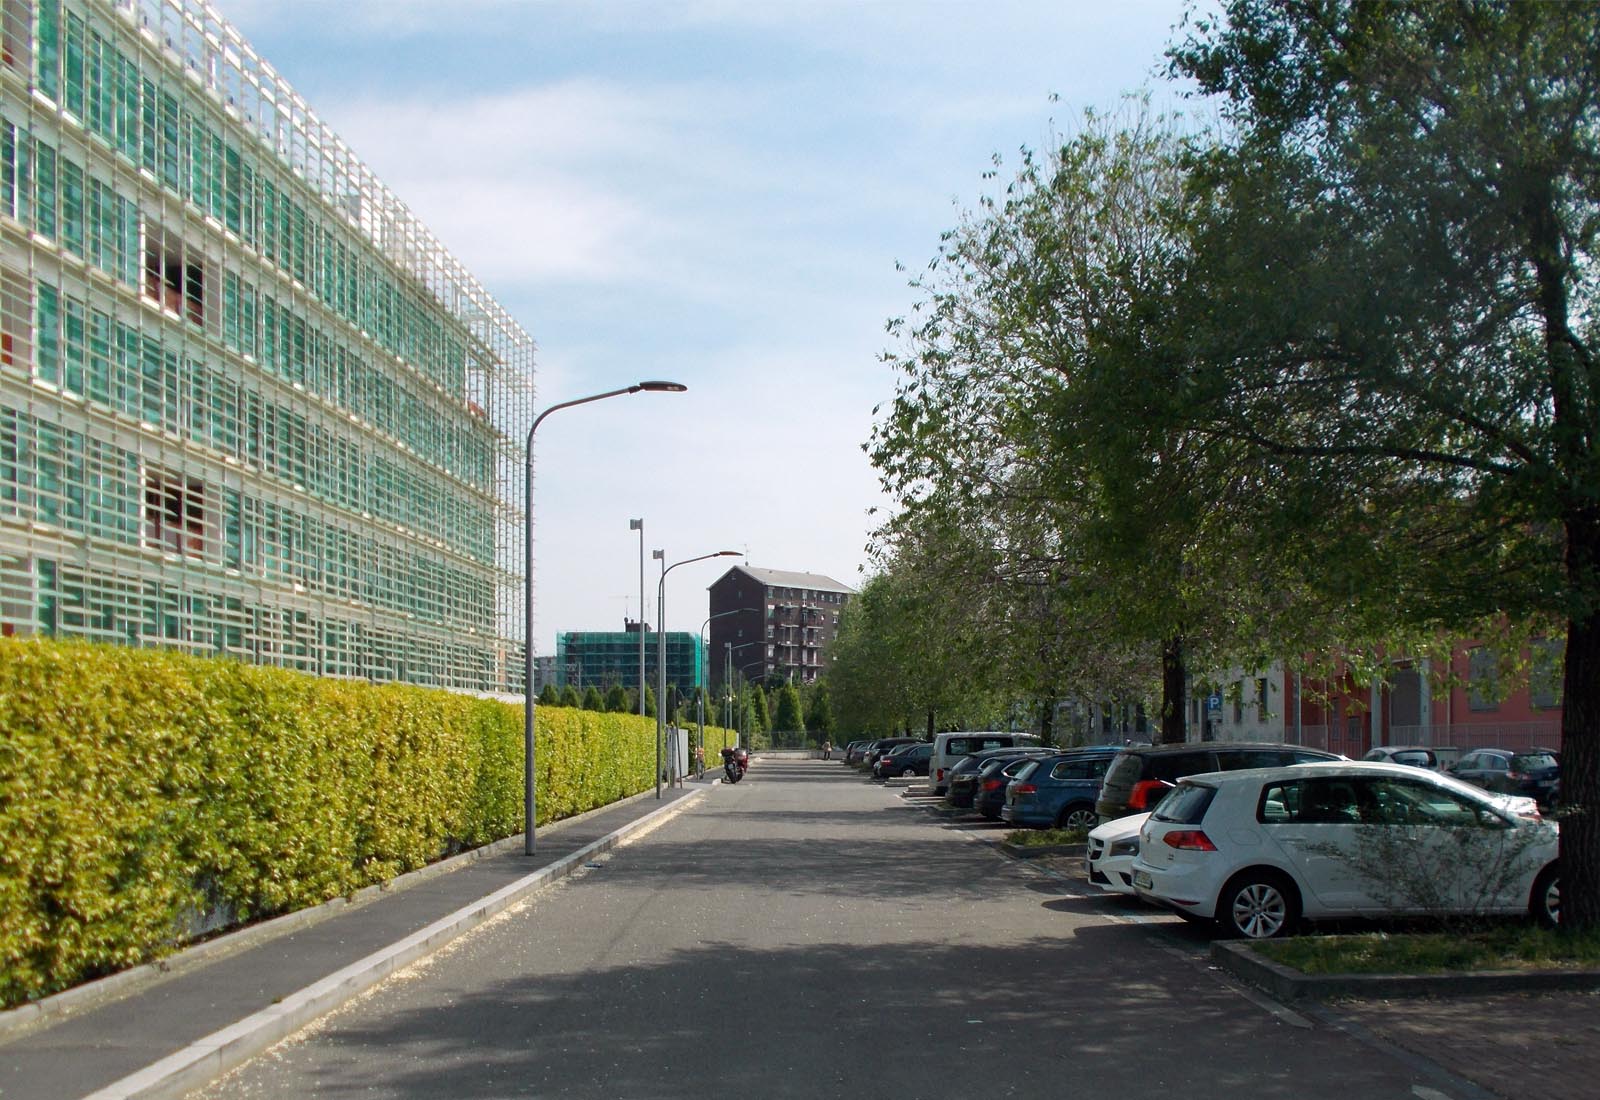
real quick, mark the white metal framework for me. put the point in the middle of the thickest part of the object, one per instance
(249, 405)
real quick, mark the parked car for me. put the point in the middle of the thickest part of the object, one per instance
(950, 747)
(989, 798)
(909, 759)
(962, 777)
(1058, 791)
(1536, 774)
(1111, 851)
(1141, 774)
(1433, 757)
(883, 746)
(857, 752)
(1258, 850)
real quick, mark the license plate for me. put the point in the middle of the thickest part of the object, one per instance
(1142, 880)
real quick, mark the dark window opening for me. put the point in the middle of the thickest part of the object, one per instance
(175, 277)
(175, 512)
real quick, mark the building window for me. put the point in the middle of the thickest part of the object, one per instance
(1261, 699)
(176, 276)
(1545, 677)
(1483, 679)
(175, 512)
(17, 48)
(16, 321)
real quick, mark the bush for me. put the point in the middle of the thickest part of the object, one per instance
(142, 788)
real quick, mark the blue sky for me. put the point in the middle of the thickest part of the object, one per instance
(711, 192)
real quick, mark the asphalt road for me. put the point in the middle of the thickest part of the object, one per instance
(808, 933)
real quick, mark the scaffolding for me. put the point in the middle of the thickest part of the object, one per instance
(249, 405)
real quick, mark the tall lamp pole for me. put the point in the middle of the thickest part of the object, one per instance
(661, 646)
(638, 525)
(528, 784)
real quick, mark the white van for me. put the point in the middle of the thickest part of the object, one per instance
(950, 747)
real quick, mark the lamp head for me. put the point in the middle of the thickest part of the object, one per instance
(636, 525)
(661, 387)
(658, 554)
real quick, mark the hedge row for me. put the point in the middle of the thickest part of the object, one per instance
(141, 788)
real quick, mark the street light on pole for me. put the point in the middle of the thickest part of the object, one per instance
(661, 645)
(638, 525)
(528, 785)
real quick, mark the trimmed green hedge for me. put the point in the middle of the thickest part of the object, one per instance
(140, 788)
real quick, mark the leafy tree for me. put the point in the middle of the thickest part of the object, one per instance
(761, 717)
(1396, 256)
(819, 715)
(570, 696)
(617, 699)
(788, 718)
(649, 702)
(592, 699)
(549, 696)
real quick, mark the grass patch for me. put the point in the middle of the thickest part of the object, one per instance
(1043, 838)
(1511, 947)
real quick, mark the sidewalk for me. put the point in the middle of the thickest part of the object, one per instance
(204, 1018)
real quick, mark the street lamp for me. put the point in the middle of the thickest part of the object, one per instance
(527, 592)
(638, 525)
(743, 682)
(705, 651)
(661, 645)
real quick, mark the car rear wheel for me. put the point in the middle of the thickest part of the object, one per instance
(1079, 815)
(1545, 902)
(1258, 905)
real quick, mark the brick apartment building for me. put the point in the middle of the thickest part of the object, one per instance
(773, 623)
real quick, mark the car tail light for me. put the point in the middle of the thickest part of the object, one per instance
(1026, 788)
(991, 784)
(1142, 791)
(1515, 777)
(940, 775)
(1189, 840)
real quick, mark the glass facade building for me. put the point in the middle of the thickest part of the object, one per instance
(249, 405)
(602, 658)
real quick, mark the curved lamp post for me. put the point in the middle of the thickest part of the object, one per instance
(661, 646)
(527, 592)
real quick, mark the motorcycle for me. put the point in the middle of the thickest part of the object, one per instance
(735, 762)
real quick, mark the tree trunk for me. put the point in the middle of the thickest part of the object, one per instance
(930, 723)
(1047, 716)
(1580, 734)
(1173, 703)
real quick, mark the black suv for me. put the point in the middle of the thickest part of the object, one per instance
(1140, 775)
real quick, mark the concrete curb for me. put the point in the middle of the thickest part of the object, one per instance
(25, 1017)
(1034, 851)
(208, 1058)
(1289, 985)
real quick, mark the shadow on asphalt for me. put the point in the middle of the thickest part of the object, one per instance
(1099, 1010)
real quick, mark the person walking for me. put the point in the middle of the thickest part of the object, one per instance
(827, 749)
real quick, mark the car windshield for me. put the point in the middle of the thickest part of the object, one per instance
(1027, 769)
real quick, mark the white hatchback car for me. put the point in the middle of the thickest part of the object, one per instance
(1258, 850)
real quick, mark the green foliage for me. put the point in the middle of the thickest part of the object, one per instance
(760, 715)
(819, 715)
(649, 702)
(592, 699)
(1503, 947)
(617, 700)
(549, 696)
(570, 697)
(788, 718)
(139, 788)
